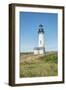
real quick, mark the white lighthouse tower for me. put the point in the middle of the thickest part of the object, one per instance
(41, 42)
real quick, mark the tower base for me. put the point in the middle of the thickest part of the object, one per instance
(39, 50)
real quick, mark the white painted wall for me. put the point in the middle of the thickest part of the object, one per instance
(35, 52)
(41, 51)
(41, 40)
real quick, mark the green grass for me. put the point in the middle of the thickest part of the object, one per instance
(38, 65)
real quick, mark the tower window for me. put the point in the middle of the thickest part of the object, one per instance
(40, 42)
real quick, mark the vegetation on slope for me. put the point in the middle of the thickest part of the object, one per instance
(38, 65)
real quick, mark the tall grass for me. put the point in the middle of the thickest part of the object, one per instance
(39, 65)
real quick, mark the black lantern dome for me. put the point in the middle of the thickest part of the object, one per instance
(41, 30)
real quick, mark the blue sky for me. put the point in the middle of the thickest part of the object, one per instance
(29, 23)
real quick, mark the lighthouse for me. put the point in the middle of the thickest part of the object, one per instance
(40, 49)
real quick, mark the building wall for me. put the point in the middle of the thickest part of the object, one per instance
(41, 51)
(35, 52)
(41, 40)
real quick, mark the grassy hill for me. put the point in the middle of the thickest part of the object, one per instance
(38, 65)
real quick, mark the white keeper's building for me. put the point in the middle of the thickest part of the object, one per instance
(41, 41)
